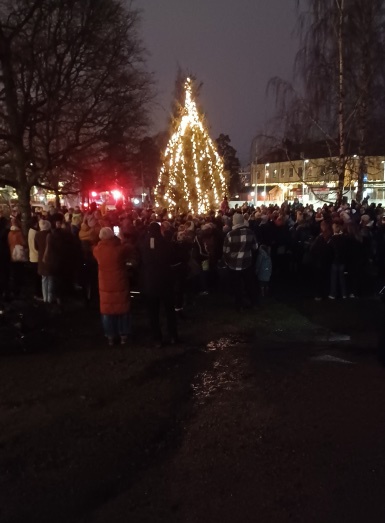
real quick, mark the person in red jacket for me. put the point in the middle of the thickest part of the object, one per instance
(114, 289)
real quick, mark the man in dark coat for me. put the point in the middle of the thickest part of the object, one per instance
(64, 259)
(43, 267)
(157, 257)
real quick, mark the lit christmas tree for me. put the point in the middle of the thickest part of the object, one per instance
(191, 177)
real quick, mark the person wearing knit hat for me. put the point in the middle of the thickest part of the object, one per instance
(366, 221)
(114, 287)
(44, 225)
(106, 233)
(239, 252)
(238, 220)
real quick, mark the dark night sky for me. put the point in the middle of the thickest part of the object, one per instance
(233, 46)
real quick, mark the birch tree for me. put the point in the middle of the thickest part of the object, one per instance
(340, 71)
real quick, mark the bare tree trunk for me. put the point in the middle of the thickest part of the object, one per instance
(57, 200)
(10, 95)
(362, 152)
(341, 110)
(24, 205)
(366, 75)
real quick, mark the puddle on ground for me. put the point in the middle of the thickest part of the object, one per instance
(209, 382)
(225, 373)
(225, 343)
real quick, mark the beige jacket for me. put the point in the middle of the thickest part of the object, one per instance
(33, 254)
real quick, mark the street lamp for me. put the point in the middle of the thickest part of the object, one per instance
(266, 174)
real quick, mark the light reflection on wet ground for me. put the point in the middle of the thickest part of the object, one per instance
(225, 373)
(225, 343)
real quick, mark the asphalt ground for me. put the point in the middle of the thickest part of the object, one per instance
(258, 416)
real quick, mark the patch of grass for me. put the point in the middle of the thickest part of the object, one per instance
(272, 321)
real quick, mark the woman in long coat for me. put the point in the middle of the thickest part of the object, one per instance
(114, 290)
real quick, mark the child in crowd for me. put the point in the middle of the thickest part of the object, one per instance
(263, 270)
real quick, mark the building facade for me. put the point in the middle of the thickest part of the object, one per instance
(315, 180)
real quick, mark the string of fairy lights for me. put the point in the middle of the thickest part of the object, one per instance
(191, 177)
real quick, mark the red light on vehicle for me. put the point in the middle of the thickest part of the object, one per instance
(94, 194)
(116, 194)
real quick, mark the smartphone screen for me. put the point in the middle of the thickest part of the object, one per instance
(116, 230)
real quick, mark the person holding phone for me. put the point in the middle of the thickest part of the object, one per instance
(114, 287)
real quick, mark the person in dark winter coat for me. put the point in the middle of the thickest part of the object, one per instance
(263, 270)
(321, 258)
(380, 248)
(63, 258)
(356, 259)
(337, 278)
(47, 280)
(5, 258)
(157, 257)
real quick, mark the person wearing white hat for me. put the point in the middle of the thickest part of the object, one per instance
(239, 250)
(114, 287)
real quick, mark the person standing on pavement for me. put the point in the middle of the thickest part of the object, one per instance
(337, 278)
(158, 257)
(263, 270)
(19, 255)
(34, 258)
(63, 258)
(89, 237)
(321, 255)
(114, 288)
(239, 250)
(47, 280)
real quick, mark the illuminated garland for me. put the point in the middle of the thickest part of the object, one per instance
(191, 177)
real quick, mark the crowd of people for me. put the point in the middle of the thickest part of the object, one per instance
(169, 257)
